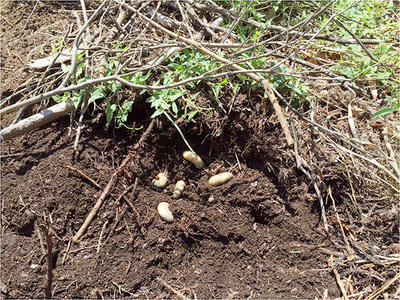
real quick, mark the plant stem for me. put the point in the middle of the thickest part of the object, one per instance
(180, 132)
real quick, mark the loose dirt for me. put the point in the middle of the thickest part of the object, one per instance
(253, 236)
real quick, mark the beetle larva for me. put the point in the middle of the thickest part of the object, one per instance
(220, 178)
(179, 187)
(164, 212)
(194, 159)
(160, 181)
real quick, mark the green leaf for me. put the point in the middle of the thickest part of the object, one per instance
(77, 98)
(192, 114)
(178, 93)
(157, 113)
(217, 88)
(275, 5)
(124, 111)
(63, 98)
(127, 106)
(96, 93)
(235, 88)
(164, 105)
(79, 71)
(65, 68)
(80, 56)
(174, 108)
(383, 111)
(110, 109)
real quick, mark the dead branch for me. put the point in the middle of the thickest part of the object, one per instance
(36, 121)
(77, 42)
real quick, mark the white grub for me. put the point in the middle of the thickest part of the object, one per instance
(220, 178)
(194, 159)
(164, 212)
(160, 181)
(179, 187)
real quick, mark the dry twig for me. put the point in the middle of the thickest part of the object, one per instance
(337, 276)
(49, 261)
(384, 287)
(84, 175)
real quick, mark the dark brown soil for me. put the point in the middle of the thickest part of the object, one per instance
(257, 236)
(254, 236)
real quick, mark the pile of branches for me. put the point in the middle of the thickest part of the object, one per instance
(147, 31)
(145, 35)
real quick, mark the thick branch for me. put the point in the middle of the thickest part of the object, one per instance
(36, 121)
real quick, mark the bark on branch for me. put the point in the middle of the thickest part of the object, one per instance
(36, 121)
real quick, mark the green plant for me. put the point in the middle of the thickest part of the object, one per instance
(95, 93)
(296, 86)
(107, 90)
(185, 65)
(393, 106)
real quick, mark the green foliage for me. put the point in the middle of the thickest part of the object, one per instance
(180, 102)
(122, 113)
(299, 90)
(60, 45)
(366, 19)
(108, 90)
(393, 106)
(191, 63)
(95, 93)
(164, 100)
(76, 96)
(373, 19)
